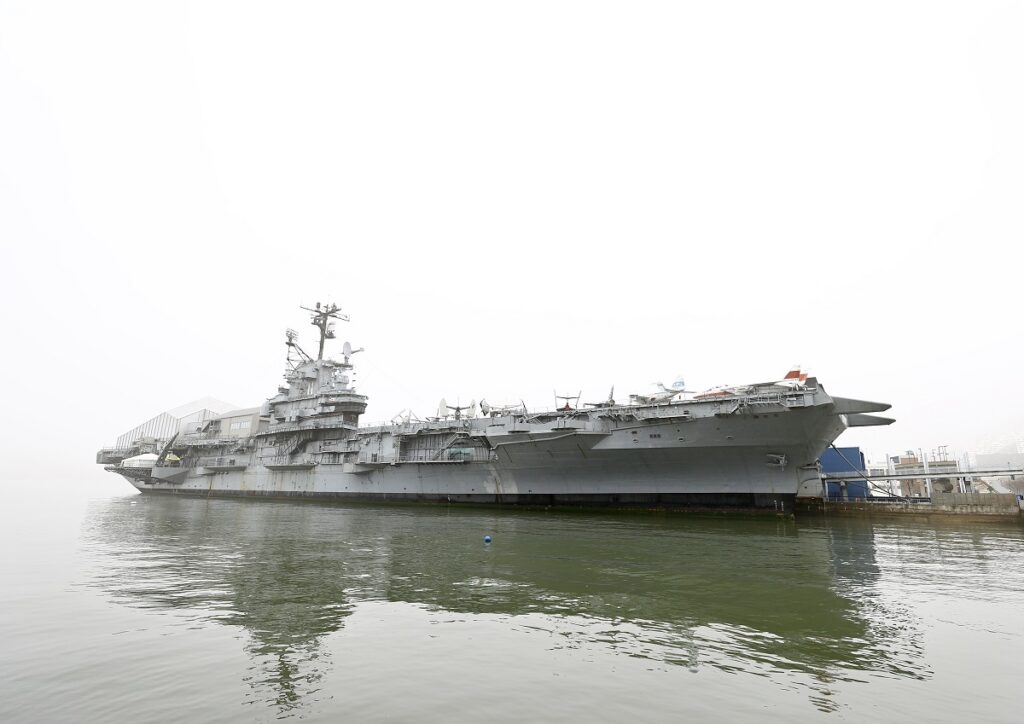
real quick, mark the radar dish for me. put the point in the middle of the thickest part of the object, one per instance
(346, 349)
(442, 408)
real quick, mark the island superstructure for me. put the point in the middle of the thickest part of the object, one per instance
(753, 446)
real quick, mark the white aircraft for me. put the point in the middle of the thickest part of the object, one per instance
(498, 410)
(444, 410)
(405, 417)
(793, 378)
(664, 393)
(566, 407)
(610, 402)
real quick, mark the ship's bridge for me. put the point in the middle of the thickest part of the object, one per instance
(317, 389)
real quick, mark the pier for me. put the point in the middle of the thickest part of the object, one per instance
(974, 507)
(962, 501)
(998, 472)
(964, 478)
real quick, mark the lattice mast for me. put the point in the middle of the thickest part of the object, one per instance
(322, 316)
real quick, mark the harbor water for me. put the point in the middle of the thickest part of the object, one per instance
(129, 608)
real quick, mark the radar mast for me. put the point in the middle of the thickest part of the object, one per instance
(322, 316)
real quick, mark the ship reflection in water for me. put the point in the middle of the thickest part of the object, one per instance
(795, 603)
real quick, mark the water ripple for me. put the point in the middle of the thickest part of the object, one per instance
(810, 608)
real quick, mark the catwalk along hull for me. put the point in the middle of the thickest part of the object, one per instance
(754, 446)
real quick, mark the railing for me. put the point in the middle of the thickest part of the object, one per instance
(425, 456)
(207, 441)
(287, 461)
(675, 409)
(221, 461)
(316, 425)
(411, 428)
(876, 499)
(659, 412)
(766, 399)
(921, 474)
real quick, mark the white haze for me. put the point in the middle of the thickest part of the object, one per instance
(508, 198)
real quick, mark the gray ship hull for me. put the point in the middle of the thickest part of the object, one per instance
(753, 502)
(717, 462)
(754, 446)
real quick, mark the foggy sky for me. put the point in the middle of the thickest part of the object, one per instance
(509, 199)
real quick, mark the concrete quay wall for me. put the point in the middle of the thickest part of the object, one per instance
(980, 503)
(1003, 507)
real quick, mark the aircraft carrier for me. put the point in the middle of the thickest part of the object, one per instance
(748, 447)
